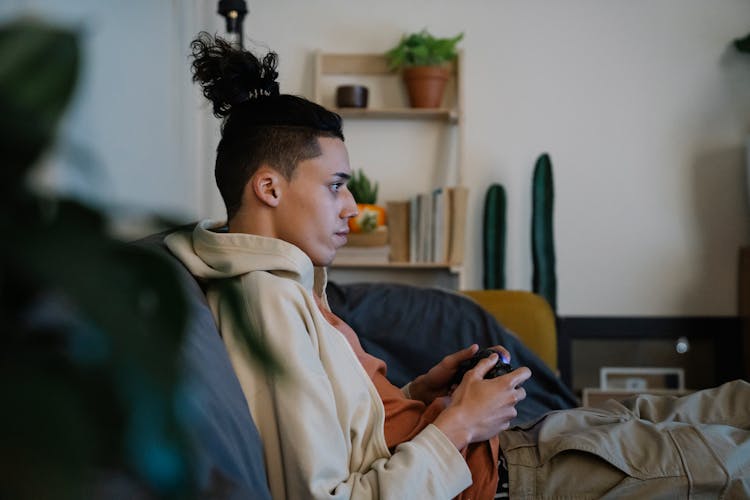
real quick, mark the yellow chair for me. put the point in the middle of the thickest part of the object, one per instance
(527, 315)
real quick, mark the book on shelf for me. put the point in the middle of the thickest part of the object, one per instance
(441, 225)
(398, 230)
(458, 202)
(429, 227)
(413, 224)
(424, 234)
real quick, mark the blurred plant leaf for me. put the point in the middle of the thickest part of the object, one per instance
(92, 327)
(258, 349)
(38, 72)
(743, 44)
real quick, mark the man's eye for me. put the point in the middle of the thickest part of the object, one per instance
(336, 187)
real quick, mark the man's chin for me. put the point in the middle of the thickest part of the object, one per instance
(323, 261)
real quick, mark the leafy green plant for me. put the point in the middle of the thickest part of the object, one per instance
(363, 190)
(422, 49)
(92, 328)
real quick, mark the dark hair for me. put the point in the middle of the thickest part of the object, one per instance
(261, 126)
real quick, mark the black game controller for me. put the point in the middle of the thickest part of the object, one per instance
(500, 368)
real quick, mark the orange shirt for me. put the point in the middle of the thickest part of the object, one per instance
(405, 418)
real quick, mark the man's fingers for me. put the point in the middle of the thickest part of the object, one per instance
(504, 353)
(462, 355)
(467, 352)
(484, 366)
(519, 376)
(520, 394)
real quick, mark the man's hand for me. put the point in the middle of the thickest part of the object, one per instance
(437, 382)
(481, 408)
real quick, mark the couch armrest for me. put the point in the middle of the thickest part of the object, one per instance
(527, 315)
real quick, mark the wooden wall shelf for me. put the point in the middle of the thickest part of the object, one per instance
(400, 265)
(388, 101)
(330, 68)
(418, 274)
(441, 114)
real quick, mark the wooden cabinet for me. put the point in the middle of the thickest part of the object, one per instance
(388, 103)
(708, 349)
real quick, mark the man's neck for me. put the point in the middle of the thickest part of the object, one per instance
(257, 223)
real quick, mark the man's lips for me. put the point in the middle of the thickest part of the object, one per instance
(342, 236)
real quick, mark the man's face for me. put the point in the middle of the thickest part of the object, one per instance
(316, 204)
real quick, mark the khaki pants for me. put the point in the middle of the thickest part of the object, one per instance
(696, 446)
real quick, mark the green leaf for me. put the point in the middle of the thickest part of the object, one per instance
(92, 327)
(743, 44)
(422, 49)
(258, 349)
(38, 71)
(127, 299)
(35, 393)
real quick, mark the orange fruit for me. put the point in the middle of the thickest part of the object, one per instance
(368, 219)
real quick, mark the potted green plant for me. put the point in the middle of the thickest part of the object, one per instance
(365, 193)
(368, 227)
(423, 60)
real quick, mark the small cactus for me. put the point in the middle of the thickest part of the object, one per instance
(362, 189)
(544, 280)
(494, 237)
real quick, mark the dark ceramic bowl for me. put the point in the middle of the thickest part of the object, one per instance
(351, 96)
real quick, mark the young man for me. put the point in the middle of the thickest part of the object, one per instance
(282, 169)
(323, 426)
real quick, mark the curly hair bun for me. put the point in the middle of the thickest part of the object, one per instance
(230, 76)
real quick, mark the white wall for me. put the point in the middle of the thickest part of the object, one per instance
(642, 106)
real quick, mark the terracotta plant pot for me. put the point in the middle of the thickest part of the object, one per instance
(426, 85)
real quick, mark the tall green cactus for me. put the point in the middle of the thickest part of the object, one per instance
(494, 237)
(544, 279)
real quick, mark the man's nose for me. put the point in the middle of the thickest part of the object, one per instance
(349, 209)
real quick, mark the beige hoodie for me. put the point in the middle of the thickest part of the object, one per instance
(322, 423)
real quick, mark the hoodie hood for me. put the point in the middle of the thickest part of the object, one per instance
(209, 253)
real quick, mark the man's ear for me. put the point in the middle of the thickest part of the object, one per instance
(266, 184)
